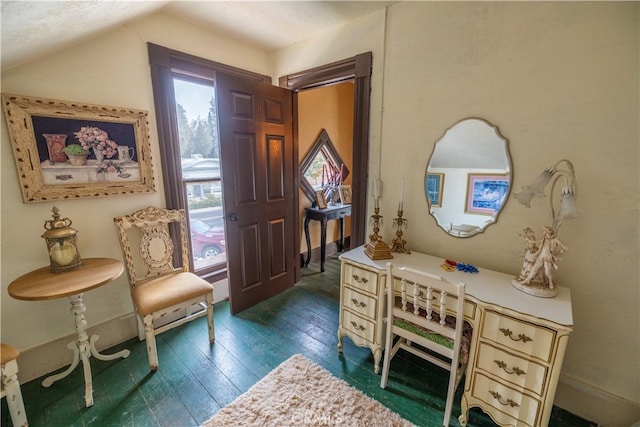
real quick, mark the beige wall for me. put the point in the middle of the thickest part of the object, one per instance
(329, 108)
(110, 70)
(560, 80)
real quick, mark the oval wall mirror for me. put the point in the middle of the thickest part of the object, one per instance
(468, 177)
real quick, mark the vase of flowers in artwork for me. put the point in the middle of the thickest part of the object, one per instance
(55, 146)
(76, 154)
(97, 140)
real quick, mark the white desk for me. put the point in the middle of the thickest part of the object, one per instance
(518, 342)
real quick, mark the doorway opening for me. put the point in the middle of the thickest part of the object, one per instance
(358, 70)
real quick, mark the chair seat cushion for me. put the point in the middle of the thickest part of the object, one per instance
(8, 353)
(424, 333)
(450, 321)
(167, 291)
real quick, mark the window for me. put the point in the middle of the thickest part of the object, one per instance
(321, 166)
(200, 166)
(184, 97)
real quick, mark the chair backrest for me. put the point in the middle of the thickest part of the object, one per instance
(426, 301)
(149, 230)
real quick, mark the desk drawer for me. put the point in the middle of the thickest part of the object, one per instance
(342, 213)
(360, 326)
(360, 278)
(523, 373)
(507, 406)
(518, 335)
(359, 302)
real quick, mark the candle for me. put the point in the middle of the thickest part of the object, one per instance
(376, 189)
(63, 254)
(324, 172)
(401, 194)
(341, 173)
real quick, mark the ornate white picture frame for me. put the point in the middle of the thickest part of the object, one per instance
(116, 157)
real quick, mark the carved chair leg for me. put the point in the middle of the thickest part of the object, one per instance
(140, 325)
(210, 326)
(152, 351)
(14, 396)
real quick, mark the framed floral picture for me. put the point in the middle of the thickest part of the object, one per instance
(67, 150)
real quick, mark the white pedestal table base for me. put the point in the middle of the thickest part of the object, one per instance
(83, 348)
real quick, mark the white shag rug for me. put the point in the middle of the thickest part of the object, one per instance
(301, 393)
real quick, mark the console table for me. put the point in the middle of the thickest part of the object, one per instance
(339, 212)
(518, 341)
(42, 284)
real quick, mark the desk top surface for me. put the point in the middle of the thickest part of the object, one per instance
(329, 208)
(487, 285)
(42, 284)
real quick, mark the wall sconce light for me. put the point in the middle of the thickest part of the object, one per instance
(541, 256)
(61, 242)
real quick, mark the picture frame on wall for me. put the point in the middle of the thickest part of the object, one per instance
(434, 186)
(321, 200)
(67, 150)
(486, 193)
(345, 194)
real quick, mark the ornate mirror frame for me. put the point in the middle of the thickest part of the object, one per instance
(468, 178)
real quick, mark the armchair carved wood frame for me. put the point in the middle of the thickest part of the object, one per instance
(164, 296)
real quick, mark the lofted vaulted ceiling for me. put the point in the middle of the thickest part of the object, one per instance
(31, 29)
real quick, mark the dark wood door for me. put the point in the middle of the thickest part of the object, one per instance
(259, 187)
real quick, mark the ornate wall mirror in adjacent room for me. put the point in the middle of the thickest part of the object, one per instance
(322, 160)
(468, 178)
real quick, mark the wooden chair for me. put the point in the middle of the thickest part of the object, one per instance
(11, 386)
(164, 296)
(426, 313)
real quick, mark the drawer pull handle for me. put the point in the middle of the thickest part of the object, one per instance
(358, 303)
(521, 337)
(505, 367)
(509, 402)
(356, 326)
(359, 279)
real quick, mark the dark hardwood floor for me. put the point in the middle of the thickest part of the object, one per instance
(195, 379)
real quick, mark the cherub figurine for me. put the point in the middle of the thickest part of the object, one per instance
(540, 257)
(530, 254)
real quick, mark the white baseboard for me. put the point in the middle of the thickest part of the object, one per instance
(593, 404)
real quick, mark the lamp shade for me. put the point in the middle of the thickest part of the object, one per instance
(568, 208)
(536, 189)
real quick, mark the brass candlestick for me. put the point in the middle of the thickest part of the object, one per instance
(399, 243)
(376, 248)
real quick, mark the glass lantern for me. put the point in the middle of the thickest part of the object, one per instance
(61, 244)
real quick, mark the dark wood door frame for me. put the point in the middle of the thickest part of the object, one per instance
(358, 69)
